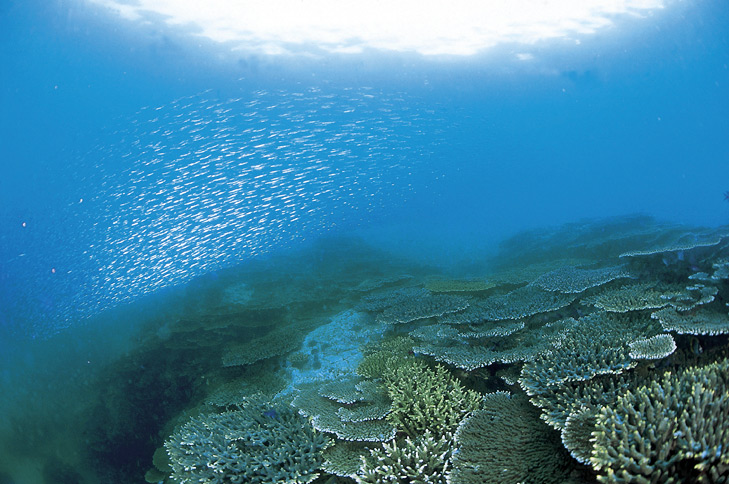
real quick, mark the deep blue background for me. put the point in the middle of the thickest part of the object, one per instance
(632, 120)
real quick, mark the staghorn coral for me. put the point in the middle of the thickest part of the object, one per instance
(577, 434)
(424, 459)
(558, 403)
(673, 429)
(425, 399)
(386, 355)
(506, 443)
(258, 443)
(510, 374)
(375, 365)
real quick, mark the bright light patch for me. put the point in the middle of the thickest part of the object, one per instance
(428, 27)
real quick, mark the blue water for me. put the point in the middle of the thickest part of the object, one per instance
(133, 160)
(132, 165)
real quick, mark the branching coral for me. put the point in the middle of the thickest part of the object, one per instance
(673, 429)
(425, 399)
(422, 460)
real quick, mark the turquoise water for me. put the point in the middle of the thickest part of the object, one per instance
(171, 208)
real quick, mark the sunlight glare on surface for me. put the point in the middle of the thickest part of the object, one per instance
(427, 27)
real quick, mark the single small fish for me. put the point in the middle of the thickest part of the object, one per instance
(270, 413)
(726, 196)
(695, 346)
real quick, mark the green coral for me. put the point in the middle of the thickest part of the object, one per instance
(673, 429)
(427, 399)
(259, 443)
(421, 460)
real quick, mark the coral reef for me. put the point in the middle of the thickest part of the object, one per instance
(505, 442)
(673, 429)
(575, 280)
(596, 346)
(424, 307)
(677, 241)
(653, 348)
(610, 337)
(488, 343)
(523, 302)
(424, 459)
(700, 322)
(427, 399)
(257, 443)
(632, 297)
(386, 356)
(457, 285)
(275, 343)
(344, 458)
(338, 418)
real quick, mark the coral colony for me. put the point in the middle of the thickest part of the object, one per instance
(591, 353)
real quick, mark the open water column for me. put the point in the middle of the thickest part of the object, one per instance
(364, 242)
